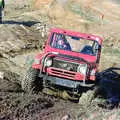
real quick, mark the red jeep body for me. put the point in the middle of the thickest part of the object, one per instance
(69, 66)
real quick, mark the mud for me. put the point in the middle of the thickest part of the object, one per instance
(22, 106)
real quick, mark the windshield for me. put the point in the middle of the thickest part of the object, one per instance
(75, 44)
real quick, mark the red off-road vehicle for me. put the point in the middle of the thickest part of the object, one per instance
(70, 60)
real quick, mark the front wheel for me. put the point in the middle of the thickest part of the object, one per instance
(31, 81)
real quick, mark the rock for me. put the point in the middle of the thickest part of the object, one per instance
(87, 97)
(1, 75)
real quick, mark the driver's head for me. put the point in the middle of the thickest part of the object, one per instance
(61, 42)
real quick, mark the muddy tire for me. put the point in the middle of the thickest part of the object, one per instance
(87, 97)
(31, 82)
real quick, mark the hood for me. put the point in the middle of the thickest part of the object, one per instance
(74, 55)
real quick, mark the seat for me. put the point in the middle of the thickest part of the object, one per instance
(87, 49)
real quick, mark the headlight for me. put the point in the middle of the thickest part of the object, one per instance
(48, 62)
(37, 61)
(82, 68)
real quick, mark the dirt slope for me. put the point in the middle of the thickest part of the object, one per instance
(98, 17)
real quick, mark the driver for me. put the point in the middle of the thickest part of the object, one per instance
(64, 45)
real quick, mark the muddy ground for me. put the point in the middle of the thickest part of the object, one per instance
(23, 33)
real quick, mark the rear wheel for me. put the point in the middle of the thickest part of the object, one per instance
(31, 82)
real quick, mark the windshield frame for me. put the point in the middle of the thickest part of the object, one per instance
(88, 39)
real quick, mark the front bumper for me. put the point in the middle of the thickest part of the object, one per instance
(51, 80)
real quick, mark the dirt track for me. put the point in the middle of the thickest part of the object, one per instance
(22, 34)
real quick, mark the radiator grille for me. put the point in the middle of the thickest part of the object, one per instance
(66, 65)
